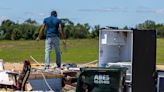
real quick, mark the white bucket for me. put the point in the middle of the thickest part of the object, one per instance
(1, 64)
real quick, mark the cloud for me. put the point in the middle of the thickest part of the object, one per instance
(139, 9)
(29, 13)
(41, 14)
(154, 11)
(35, 14)
(5, 8)
(95, 10)
(114, 9)
(143, 9)
(159, 11)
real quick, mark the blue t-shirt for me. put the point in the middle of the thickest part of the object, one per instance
(52, 24)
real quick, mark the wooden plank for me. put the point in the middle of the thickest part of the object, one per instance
(160, 67)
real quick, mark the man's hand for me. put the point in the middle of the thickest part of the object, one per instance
(64, 45)
(64, 42)
(41, 32)
(37, 39)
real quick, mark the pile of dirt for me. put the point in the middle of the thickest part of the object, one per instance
(17, 67)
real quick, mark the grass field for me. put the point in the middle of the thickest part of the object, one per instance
(160, 51)
(78, 51)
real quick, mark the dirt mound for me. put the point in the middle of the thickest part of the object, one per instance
(17, 67)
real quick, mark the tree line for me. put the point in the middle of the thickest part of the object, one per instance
(151, 25)
(29, 29)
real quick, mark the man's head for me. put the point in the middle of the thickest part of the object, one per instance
(54, 13)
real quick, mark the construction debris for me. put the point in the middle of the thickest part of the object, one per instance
(1, 65)
(69, 73)
(68, 88)
(8, 80)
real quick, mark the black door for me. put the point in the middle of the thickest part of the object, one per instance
(144, 61)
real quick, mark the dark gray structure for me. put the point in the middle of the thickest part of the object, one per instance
(144, 61)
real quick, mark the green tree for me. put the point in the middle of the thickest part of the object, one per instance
(95, 31)
(68, 27)
(27, 31)
(80, 31)
(30, 21)
(126, 28)
(147, 25)
(36, 32)
(16, 34)
(160, 30)
(7, 26)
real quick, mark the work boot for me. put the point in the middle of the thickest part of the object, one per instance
(46, 67)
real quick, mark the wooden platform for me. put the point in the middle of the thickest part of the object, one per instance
(47, 75)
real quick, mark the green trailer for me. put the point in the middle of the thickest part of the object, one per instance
(101, 79)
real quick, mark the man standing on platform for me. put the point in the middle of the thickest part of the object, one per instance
(53, 27)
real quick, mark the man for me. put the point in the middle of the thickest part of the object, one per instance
(53, 27)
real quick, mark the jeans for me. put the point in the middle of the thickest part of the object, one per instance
(52, 41)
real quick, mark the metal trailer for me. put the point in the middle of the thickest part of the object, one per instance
(101, 79)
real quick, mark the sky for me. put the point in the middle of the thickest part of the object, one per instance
(117, 13)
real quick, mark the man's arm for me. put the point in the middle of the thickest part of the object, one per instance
(61, 31)
(41, 31)
(63, 37)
